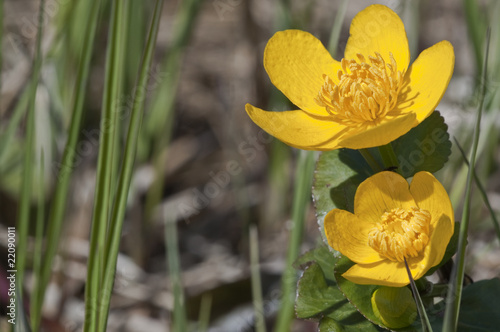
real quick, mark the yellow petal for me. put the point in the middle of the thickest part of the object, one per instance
(426, 80)
(378, 29)
(295, 62)
(298, 129)
(436, 248)
(387, 131)
(384, 273)
(430, 195)
(381, 193)
(349, 235)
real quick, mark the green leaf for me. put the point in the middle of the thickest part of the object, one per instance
(425, 147)
(314, 295)
(478, 308)
(318, 294)
(357, 323)
(324, 257)
(451, 250)
(330, 325)
(337, 176)
(360, 295)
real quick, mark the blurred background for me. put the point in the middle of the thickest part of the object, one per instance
(202, 164)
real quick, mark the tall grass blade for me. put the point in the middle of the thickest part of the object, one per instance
(333, 43)
(8, 135)
(258, 305)
(476, 26)
(457, 276)
(94, 292)
(482, 191)
(174, 268)
(36, 302)
(159, 121)
(204, 317)
(301, 199)
(58, 205)
(125, 176)
(25, 199)
(1, 40)
(426, 325)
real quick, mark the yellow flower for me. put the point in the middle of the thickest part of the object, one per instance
(392, 221)
(369, 98)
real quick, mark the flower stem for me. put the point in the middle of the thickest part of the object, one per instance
(256, 281)
(374, 164)
(454, 295)
(301, 199)
(426, 325)
(389, 157)
(482, 191)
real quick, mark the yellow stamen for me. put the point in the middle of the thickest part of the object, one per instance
(366, 92)
(401, 233)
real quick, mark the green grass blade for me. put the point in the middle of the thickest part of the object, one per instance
(336, 28)
(174, 268)
(36, 302)
(426, 325)
(457, 276)
(258, 306)
(301, 199)
(476, 26)
(204, 317)
(58, 205)
(159, 121)
(24, 205)
(125, 177)
(302, 195)
(410, 15)
(8, 135)
(482, 191)
(94, 291)
(1, 41)
(119, 58)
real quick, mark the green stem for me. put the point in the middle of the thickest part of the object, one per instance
(95, 293)
(36, 302)
(374, 164)
(482, 191)
(426, 325)
(158, 123)
(337, 26)
(475, 26)
(389, 157)
(58, 204)
(301, 197)
(438, 290)
(174, 269)
(204, 316)
(457, 275)
(27, 180)
(260, 325)
(119, 205)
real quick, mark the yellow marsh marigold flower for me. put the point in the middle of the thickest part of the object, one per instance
(369, 98)
(392, 221)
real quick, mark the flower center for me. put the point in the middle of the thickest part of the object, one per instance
(366, 91)
(401, 233)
